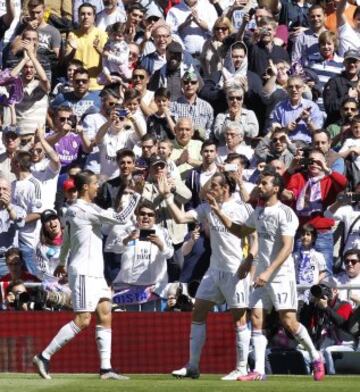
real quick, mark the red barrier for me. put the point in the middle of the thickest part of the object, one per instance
(142, 342)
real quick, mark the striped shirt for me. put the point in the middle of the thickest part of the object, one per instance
(201, 113)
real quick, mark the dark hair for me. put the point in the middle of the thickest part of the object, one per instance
(63, 108)
(226, 180)
(76, 62)
(117, 27)
(356, 12)
(308, 228)
(145, 204)
(131, 94)
(352, 252)
(349, 100)
(81, 70)
(125, 152)
(83, 178)
(149, 136)
(87, 5)
(315, 7)
(13, 284)
(35, 3)
(112, 90)
(209, 142)
(24, 160)
(238, 45)
(355, 120)
(13, 251)
(162, 92)
(136, 6)
(270, 171)
(318, 131)
(242, 158)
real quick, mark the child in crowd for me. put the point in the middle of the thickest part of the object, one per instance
(165, 148)
(66, 84)
(115, 57)
(310, 265)
(162, 124)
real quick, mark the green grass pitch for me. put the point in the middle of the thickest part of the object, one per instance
(15, 382)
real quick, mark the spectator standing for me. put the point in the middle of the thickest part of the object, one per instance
(111, 14)
(349, 36)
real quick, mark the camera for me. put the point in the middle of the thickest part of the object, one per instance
(32, 302)
(230, 167)
(120, 111)
(252, 12)
(321, 291)
(73, 121)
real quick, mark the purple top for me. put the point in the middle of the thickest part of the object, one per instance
(68, 148)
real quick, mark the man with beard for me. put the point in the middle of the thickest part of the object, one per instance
(223, 280)
(274, 279)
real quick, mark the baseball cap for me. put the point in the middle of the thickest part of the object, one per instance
(156, 159)
(174, 47)
(47, 215)
(352, 54)
(68, 185)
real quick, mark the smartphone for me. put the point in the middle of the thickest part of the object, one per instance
(73, 121)
(144, 233)
(120, 111)
(230, 167)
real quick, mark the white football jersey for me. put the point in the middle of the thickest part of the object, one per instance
(226, 248)
(83, 238)
(271, 223)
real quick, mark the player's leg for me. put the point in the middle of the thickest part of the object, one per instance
(197, 338)
(259, 304)
(207, 295)
(83, 307)
(236, 293)
(64, 335)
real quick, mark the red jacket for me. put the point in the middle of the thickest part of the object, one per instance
(330, 186)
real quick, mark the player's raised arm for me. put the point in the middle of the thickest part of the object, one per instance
(237, 229)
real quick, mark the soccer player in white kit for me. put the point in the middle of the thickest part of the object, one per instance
(221, 281)
(90, 292)
(274, 279)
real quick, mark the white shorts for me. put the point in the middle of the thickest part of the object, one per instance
(219, 286)
(87, 291)
(281, 294)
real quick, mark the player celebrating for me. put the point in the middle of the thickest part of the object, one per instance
(90, 292)
(274, 280)
(222, 280)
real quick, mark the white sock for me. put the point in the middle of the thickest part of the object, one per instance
(65, 334)
(303, 337)
(197, 340)
(243, 335)
(260, 343)
(103, 342)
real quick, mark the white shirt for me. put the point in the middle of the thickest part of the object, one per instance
(226, 248)
(344, 279)
(27, 194)
(104, 20)
(271, 223)
(242, 149)
(348, 143)
(110, 144)
(349, 38)
(192, 35)
(83, 238)
(348, 214)
(48, 177)
(142, 263)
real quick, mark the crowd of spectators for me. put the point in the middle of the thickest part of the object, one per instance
(138, 91)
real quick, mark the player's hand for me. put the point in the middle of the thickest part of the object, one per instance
(262, 279)
(155, 239)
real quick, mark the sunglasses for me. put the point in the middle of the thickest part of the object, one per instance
(148, 214)
(351, 261)
(186, 82)
(278, 139)
(65, 119)
(81, 81)
(13, 136)
(349, 109)
(235, 98)
(221, 28)
(36, 150)
(139, 76)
